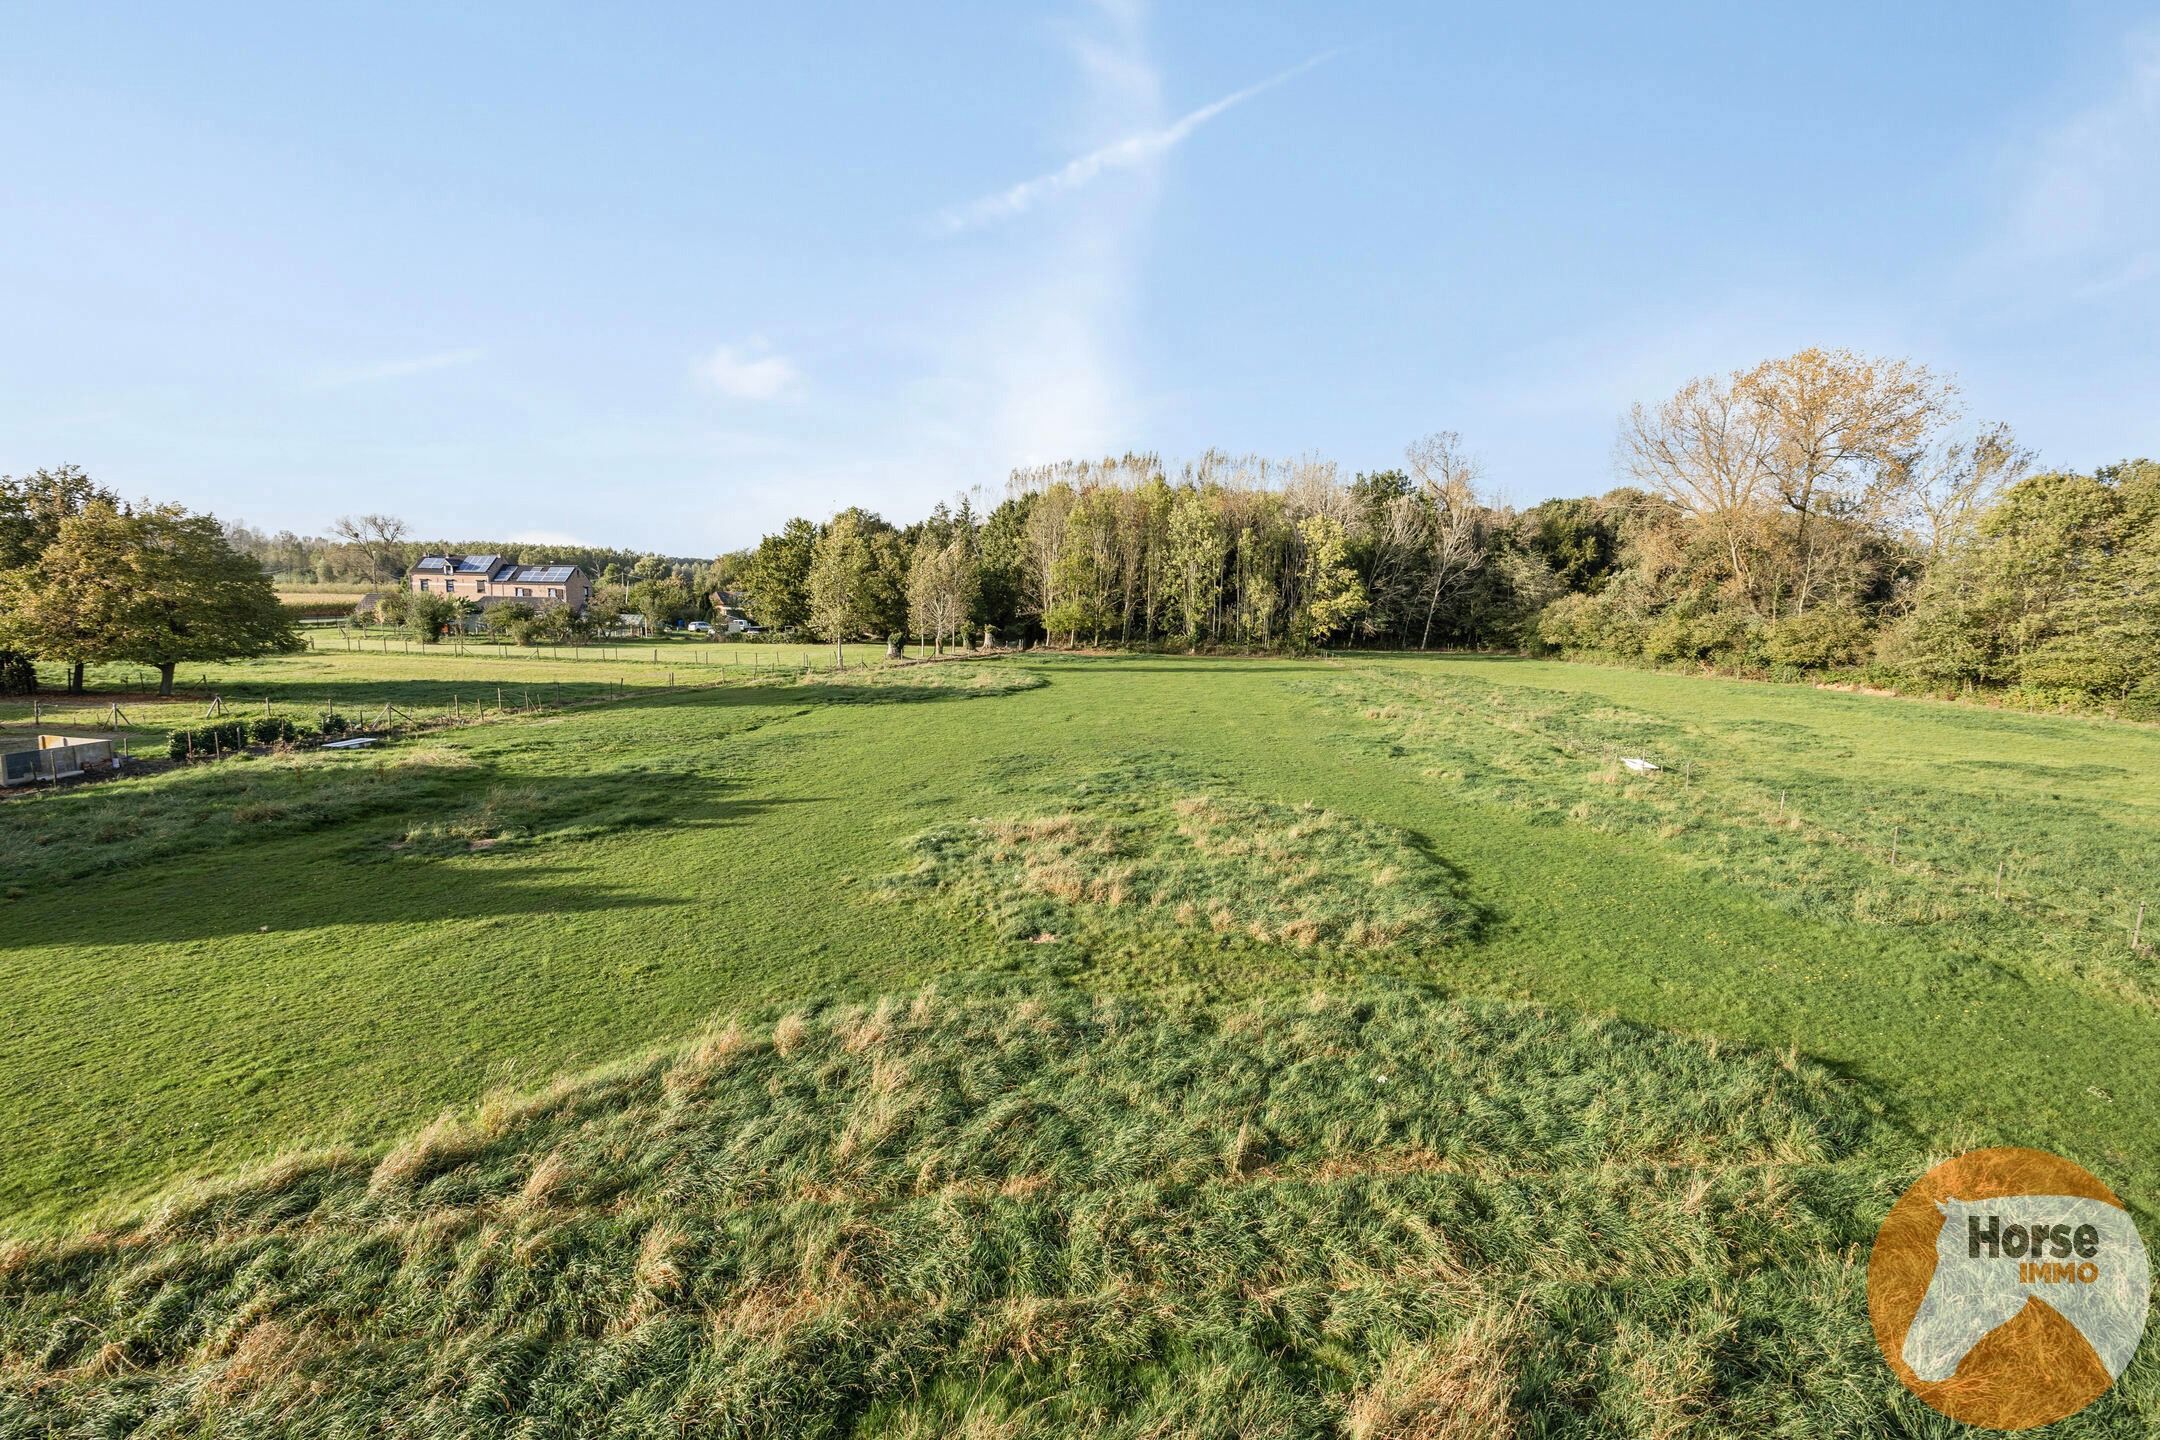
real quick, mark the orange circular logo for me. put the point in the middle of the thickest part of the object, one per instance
(2008, 1288)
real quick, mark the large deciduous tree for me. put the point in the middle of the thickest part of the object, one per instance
(1836, 428)
(1949, 484)
(659, 600)
(156, 586)
(778, 576)
(1193, 571)
(379, 541)
(31, 509)
(1793, 470)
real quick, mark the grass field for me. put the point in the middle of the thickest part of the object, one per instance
(356, 673)
(224, 962)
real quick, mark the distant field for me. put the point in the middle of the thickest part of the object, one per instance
(319, 594)
(220, 963)
(326, 589)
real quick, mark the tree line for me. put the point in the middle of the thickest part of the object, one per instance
(1820, 512)
(1824, 512)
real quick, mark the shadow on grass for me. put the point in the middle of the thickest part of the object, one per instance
(472, 843)
(360, 700)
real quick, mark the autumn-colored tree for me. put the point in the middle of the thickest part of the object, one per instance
(1454, 519)
(156, 586)
(31, 509)
(1836, 428)
(942, 587)
(1788, 467)
(843, 577)
(1329, 595)
(1192, 572)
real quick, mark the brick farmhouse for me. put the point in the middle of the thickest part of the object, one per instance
(490, 580)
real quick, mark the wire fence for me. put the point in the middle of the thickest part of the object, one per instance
(125, 705)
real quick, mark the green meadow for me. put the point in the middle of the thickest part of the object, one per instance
(1832, 935)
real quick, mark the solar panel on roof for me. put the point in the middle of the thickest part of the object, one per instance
(546, 574)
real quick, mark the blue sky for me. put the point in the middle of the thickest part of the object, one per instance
(661, 276)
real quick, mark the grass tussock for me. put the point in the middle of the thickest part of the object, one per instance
(1133, 854)
(952, 677)
(1458, 1388)
(1039, 1213)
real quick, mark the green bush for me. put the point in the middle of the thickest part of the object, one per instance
(1680, 635)
(389, 609)
(428, 615)
(272, 730)
(334, 725)
(1818, 639)
(208, 741)
(18, 673)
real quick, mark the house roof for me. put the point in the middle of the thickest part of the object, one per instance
(494, 567)
(460, 564)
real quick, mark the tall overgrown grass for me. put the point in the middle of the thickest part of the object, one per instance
(1139, 854)
(1780, 811)
(1030, 1212)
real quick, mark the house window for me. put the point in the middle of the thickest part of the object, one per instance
(423, 584)
(555, 594)
(449, 586)
(522, 590)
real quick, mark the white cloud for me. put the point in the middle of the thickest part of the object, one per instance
(747, 372)
(1130, 153)
(398, 369)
